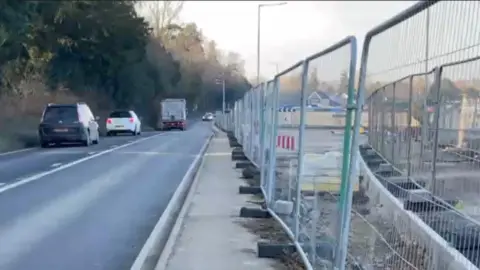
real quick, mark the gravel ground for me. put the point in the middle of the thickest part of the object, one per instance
(369, 234)
(374, 242)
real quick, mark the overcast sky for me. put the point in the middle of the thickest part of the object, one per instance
(290, 32)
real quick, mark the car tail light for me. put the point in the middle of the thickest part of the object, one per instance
(109, 121)
(131, 120)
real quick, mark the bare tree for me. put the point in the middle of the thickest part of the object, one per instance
(234, 63)
(161, 15)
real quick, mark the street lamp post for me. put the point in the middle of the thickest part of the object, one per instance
(258, 33)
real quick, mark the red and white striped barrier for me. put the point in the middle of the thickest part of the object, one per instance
(286, 142)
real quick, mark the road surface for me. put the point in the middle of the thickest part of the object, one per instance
(94, 213)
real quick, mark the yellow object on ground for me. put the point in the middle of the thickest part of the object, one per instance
(330, 185)
(459, 205)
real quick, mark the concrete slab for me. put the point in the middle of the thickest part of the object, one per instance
(211, 236)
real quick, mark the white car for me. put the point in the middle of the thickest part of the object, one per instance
(207, 117)
(123, 122)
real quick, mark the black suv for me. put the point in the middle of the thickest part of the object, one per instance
(68, 123)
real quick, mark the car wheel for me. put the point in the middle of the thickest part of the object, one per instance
(97, 140)
(88, 141)
(44, 144)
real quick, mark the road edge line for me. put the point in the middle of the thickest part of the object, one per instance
(158, 239)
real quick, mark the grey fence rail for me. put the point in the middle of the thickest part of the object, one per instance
(384, 176)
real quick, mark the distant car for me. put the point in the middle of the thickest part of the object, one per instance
(207, 117)
(68, 123)
(123, 121)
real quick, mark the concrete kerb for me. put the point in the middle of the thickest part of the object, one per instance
(157, 242)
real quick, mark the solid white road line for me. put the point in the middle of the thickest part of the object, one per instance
(70, 164)
(16, 151)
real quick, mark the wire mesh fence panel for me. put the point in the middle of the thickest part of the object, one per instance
(236, 121)
(257, 119)
(243, 122)
(240, 121)
(326, 88)
(247, 124)
(420, 165)
(268, 140)
(288, 98)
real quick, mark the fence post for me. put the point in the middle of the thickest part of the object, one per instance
(475, 112)
(437, 84)
(273, 149)
(301, 136)
(382, 119)
(346, 189)
(393, 127)
(409, 129)
(262, 133)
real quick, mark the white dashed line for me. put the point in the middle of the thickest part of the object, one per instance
(16, 151)
(68, 165)
(56, 165)
(91, 153)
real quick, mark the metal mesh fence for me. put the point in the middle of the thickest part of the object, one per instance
(293, 129)
(289, 93)
(322, 150)
(405, 194)
(420, 163)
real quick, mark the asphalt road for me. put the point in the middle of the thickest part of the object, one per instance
(98, 206)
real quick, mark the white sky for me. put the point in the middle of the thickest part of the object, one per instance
(289, 33)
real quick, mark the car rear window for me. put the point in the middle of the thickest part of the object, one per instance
(120, 114)
(61, 113)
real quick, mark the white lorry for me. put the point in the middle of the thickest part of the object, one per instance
(173, 114)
